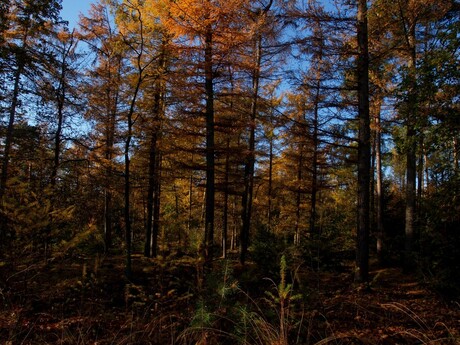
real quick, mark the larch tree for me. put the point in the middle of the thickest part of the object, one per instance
(381, 88)
(268, 145)
(57, 87)
(103, 90)
(261, 16)
(154, 187)
(211, 29)
(314, 84)
(133, 31)
(153, 102)
(24, 26)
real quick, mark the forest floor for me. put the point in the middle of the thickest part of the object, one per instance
(89, 301)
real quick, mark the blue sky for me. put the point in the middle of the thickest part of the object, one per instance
(72, 8)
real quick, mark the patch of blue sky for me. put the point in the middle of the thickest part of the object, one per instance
(71, 10)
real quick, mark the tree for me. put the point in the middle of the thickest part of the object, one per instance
(261, 16)
(404, 22)
(153, 191)
(154, 97)
(314, 86)
(28, 22)
(130, 18)
(57, 88)
(362, 248)
(103, 90)
(213, 30)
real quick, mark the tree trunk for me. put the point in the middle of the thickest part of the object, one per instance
(8, 144)
(250, 159)
(226, 194)
(150, 248)
(298, 197)
(233, 239)
(270, 183)
(411, 166)
(456, 157)
(420, 166)
(112, 109)
(127, 209)
(153, 190)
(362, 252)
(58, 134)
(379, 185)
(60, 100)
(318, 70)
(127, 177)
(156, 205)
(108, 195)
(210, 159)
(190, 202)
(314, 176)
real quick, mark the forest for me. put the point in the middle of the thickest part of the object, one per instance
(270, 172)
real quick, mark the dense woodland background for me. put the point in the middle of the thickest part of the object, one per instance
(202, 147)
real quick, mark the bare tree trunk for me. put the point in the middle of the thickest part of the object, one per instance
(210, 149)
(314, 177)
(270, 184)
(362, 252)
(372, 178)
(226, 194)
(250, 160)
(149, 250)
(411, 166)
(153, 196)
(233, 239)
(7, 147)
(190, 202)
(112, 109)
(127, 174)
(151, 236)
(58, 134)
(60, 100)
(156, 205)
(127, 208)
(420, 165)
(317, 69)
(379, 184)
(298, 197)
(456, 156)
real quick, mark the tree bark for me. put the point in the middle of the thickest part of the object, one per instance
(150, 248)
(112, 109)
(379, 185)
(298, 197)
(127, 173)
(362, 252)
(226, 195)
(58, 134)
(411, 158)
(270, 183)
(314, 177)
(210, 158)
(7, 148)
(250, 159)
(151, 233)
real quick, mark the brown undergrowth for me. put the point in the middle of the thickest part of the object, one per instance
(396, 309)
(89, 301)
